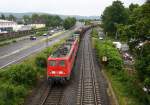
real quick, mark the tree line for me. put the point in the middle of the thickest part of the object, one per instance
(10, 17)
(69, 22)
(131, 25)
(49, 20)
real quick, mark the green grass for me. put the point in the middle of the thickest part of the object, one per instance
(8, 41)
(14, 41)
(5, 43)
(40, 33)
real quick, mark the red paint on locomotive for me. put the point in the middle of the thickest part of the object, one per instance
(61, 64)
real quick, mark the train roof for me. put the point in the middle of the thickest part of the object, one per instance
(64, 49)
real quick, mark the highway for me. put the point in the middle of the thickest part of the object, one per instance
(21, 45)
(16, 52)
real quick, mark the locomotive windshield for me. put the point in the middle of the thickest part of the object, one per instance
(52, 63)
(57, 63)
(62, 63)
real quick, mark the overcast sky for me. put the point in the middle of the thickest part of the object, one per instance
(66, 7)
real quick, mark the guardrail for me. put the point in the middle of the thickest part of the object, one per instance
(11, 35)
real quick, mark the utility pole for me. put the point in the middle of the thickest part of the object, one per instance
(116, 37)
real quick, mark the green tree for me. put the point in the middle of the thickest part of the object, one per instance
(88, 22)
(147, 1)
(133, 6)
(35, 18)
(138, 29)
(26, 19)
(143, 64)
(56, 21)
(113, 15)
(139, 22)
(11, 18)
(69, 22)
(3, 16)
(44, 18)
(51, 21)
(94, 33)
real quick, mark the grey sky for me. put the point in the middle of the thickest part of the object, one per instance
(67, 7)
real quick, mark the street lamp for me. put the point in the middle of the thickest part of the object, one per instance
(116, 34)
(47, 44)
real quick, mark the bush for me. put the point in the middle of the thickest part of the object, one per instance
(69, 22)
(106, 48)
(12, 94)
(14, 41)
(41, 61)
(142, 64)
(94, 33)
(22, 74)
(40, 33)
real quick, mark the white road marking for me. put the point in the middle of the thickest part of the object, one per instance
(19, 58)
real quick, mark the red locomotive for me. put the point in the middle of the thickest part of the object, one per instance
(60, 63)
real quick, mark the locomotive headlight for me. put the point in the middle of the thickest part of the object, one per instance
(61, 72)
(53, 72)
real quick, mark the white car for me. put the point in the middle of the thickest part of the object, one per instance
(52, 31)
(101, 38)
(32, 37)
(117, 45)
(45, 34)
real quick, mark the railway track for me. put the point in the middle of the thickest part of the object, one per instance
(53, 96)
(88, 89)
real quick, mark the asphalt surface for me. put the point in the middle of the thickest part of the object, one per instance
(16, 52)
(19, 45)
(7, 49)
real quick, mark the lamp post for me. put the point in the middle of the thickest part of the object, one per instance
(116, 33)
(47, 44)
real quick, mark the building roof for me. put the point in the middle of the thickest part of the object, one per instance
(5, 20)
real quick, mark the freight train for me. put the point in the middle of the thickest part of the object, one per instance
(60, 63)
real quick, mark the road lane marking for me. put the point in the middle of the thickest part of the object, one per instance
(19, 58)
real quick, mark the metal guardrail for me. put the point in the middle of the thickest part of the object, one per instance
(10, 35)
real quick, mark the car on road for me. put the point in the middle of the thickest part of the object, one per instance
(101, 38)
(45, 34)
(32, 37)
(117, 45)
(52, 31)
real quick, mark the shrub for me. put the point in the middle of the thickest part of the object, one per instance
(94, 33)
(22, 74)
(14, 41)
(48, 51)
(10, 94)
(39, 33)
(41, 61)
(106, 48)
